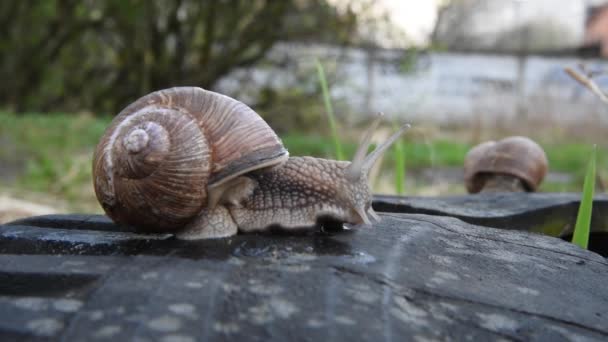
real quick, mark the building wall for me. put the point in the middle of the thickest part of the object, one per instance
(442, 87)
(597, 30)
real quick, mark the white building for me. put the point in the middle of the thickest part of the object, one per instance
(510, 25)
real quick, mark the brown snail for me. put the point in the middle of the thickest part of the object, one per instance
(513, 164)
(202, 165)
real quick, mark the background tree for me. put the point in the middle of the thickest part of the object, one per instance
(72, 55)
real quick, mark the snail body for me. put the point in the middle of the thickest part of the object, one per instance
(202, 165)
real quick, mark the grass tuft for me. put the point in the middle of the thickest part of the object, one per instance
(583, 218)
(329, 110)
(399, 157)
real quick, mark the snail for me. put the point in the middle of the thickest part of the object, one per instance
(513, 164)
(200, 164)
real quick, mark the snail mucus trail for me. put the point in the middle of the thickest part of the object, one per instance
(203, 165)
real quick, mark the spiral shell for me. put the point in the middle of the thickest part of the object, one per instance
(157, 159)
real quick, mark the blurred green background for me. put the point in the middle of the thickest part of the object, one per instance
(67, 67)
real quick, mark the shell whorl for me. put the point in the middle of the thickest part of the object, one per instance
(151, 171)
(158, 157)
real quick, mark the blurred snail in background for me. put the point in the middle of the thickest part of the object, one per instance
(513, 164)
(199, 164)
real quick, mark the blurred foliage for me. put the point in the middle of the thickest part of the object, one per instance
(410, 61)
(298, 105)
(290, 109)
(51, 154)
(74, 55)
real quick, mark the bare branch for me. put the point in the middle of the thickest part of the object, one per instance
(587, 82)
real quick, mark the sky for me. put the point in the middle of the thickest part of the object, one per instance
(415, 17)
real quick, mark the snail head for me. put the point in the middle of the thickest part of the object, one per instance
(357, 190)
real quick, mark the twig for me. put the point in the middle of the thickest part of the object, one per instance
(587, 82)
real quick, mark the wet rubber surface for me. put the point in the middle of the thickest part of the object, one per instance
(551, 214)
(77, 278)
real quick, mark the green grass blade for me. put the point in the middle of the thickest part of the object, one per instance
(330, 111)
(583, 219)
(399, 156)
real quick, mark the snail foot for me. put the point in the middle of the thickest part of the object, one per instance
(213, 224)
